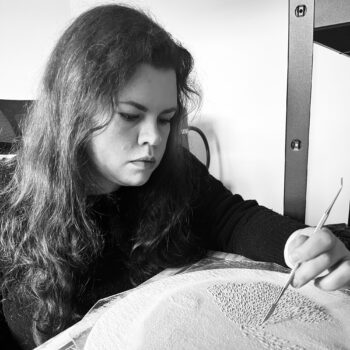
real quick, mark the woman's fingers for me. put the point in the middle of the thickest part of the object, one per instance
(294, 241)
(321, 253)
(323, 257)
(318, 243)
(338, 278)
(297, 241)
(310, 269)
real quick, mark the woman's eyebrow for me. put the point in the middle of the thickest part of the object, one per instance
(145, 109)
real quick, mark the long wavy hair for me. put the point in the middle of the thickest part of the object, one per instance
(47, 237)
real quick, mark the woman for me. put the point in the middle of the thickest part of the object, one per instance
(101, 195)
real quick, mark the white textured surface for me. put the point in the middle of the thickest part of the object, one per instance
(219, 309)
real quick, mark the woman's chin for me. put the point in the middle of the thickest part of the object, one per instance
(137, 181)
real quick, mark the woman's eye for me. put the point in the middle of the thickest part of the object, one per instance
(129, 116)
(164, 121)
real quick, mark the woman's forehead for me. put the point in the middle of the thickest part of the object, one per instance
(150, 86)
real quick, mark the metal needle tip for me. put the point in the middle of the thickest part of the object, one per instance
(270, 312)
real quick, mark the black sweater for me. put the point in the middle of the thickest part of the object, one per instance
(221, 220)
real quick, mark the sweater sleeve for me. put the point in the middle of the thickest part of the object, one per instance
(226, 222)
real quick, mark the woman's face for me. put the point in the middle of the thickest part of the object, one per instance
(131, 146)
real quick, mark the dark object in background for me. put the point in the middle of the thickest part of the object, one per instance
(334, 37)
(5, 147)
(11, 114)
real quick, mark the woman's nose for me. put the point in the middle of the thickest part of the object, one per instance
(150, 133)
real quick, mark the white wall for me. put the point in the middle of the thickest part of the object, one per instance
(240, 50)
(329, 148)
(28, 31)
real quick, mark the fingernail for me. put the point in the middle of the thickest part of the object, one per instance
(296, 283)
(300, 240)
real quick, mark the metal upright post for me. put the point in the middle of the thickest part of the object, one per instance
(300, 52)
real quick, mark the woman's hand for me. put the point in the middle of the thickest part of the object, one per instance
(319, 253)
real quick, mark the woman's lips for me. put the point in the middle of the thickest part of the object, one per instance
(144, 163)
(145, 159)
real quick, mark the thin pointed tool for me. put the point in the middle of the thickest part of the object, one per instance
(292, 273)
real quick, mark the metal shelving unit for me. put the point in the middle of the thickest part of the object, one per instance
(326, 22)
